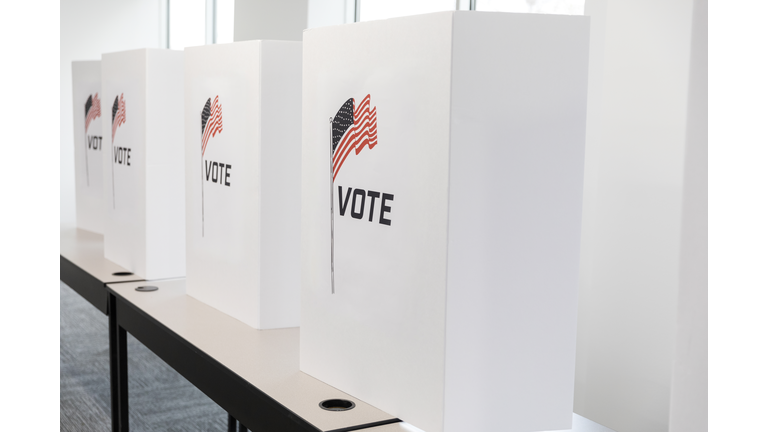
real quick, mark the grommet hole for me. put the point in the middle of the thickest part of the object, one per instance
(122, 274)
(337, 405)
(146, 288)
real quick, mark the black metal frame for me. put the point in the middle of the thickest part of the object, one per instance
(87, 285)
(253, 408)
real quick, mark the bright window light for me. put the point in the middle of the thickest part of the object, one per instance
(559, 7)
(225, 21)
(186, 23)
(383, 9)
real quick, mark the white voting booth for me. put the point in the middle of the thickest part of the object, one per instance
(442, 162)
(143, 157)
(243, 170)
(87, 112)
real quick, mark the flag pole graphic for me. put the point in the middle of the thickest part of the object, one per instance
(202, 182)
(210, 125)
(92, 111)
(87, 174)
(118, 115)
(349, 130)
(112, 164)
(330, 125)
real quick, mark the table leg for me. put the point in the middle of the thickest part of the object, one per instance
(118, 370)
(113, 363)
(243, 428)
(122, 384)
(232, 424)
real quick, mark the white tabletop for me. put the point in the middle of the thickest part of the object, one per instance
(268, 359)
(580, 424)
(86, 250)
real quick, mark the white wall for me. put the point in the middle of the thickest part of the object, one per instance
(688, 406)
(270, 19)
(88, 29)
(636, 134)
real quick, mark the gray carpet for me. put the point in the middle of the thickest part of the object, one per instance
(159, 398)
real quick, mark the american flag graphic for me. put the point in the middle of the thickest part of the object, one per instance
(92, 110)
(211, 125)
(352, 129)
(118, 114)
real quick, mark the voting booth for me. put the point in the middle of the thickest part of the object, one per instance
(86, 100)
(143, 155)
(243, 179)
(442, 164)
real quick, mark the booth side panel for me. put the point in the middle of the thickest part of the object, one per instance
(518, 113)
(165, 164)
(280, 205)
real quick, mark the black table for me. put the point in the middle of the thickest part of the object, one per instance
(83, 268)
(253, 374)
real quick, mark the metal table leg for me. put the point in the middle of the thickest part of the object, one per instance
(118, 370)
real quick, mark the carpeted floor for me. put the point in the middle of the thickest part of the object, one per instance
(159, 398)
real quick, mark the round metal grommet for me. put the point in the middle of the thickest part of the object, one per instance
(122, 274)
(337, 405)
(146, 288)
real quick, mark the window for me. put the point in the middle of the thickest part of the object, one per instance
(225, 21)
(200, 22)
(186, 24)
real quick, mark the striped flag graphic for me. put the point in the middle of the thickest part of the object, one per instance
(212, 124)
(353, 129)
(92, 110)
(118, 114)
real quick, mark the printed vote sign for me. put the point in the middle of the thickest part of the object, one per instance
(243, 168)
(143, 157)
(442, 164)
(86, 99)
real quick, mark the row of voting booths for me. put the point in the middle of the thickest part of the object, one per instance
(430, 259)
